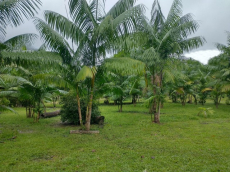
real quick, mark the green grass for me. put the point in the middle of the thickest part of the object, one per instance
(128, 142)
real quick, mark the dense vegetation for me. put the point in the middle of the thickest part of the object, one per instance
(148, 64)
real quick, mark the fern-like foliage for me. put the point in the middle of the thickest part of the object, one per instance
(13, 13)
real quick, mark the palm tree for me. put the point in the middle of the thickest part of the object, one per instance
(220, 83)
(12, 12)
(9, 86)
(165, 38)
(93, 31)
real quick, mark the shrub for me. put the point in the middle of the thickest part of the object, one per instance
(69, 110)
(205, 111)
(4, 101)
(227, 102)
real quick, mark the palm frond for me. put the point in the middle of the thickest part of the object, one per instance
(129, 21)
(120, 7)
(11, 81)
(82, 15)
(125, 66)
(157, 17)
(18, 41)
(13, 11)
(174, 13)
(63, 26)
(221, 47)
(7, 93)
(192, 43)
(184, 26)
(31, 58)
(8, 108)
(98, 9)
(53, 40)
(49, 78)
(85, 72)
(150, 57)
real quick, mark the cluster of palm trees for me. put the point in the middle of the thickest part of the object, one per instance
(73, 56)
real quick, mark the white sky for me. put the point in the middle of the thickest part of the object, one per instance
(212, 15)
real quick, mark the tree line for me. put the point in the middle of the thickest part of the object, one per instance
(148, 59)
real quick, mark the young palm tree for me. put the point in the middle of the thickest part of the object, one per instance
(9, 86)
(220, 72)
(93, 31)
(165, 38)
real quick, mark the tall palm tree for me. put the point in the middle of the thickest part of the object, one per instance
(165, 38)
(93, 31)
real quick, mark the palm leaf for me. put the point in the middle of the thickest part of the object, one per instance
(18, 41)
(98, 9)
(127, 22)
(207, 89)
(150, 57)
(192, 43)
(49, 78)
(82, 15)
(6, 93)
(85, 72)
(13, 11)
(157, 17)
(29, 58)
(11, 81)
(54, 41)
(120, 7)
(125, 66)
(8, 108)
(64, 26)
(174, 13)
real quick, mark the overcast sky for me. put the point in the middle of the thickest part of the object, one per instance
(212, 15)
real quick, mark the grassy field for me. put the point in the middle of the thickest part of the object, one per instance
(128, 142)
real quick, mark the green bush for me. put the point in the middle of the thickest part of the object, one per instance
(69, 110)
(4, 101)
(227, 102)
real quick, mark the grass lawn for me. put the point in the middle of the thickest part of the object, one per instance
(128, 142)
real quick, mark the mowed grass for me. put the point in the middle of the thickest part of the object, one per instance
(128, 142)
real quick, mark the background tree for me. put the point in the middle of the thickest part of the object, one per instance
(165, 38)
(91, 30)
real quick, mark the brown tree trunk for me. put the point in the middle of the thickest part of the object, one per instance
(190, 100)
(79, 108)
(134, 101)
(157, 82)
(27, 112)
(156, 118)
(88, 115)
(121, 104)
(162, 105)
(157, 114)
(217, 102)
(151, 109)
(154, 105)
(54, 102)
(44, 106)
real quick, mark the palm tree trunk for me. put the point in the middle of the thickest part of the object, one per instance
(121, 104)
(157, 114)
(154, 105)
(44, 106)
(79, 108)
(157, 102)
(27, 112)
(88, 115)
